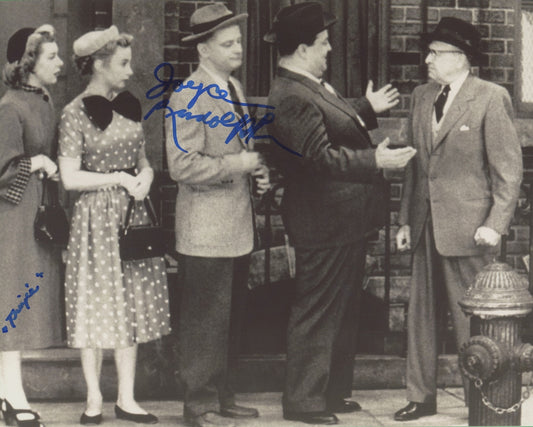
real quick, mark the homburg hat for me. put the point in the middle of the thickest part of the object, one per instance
(299, 22)
(458, 33)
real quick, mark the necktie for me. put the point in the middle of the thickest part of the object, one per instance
(235, 99)
(441, 100)
(328, 87)
(100, 109)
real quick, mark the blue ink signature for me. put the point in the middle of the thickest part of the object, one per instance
(13, 314)
(245, 127)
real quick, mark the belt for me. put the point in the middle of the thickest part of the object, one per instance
(131, 171)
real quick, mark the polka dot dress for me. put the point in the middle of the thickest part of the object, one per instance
(109, 303)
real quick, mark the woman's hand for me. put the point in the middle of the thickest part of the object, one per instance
(44, 163)
(127, 181)
(143, 183)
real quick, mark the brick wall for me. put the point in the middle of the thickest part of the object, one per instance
(177, 15)
(184, 60)
(493, 18)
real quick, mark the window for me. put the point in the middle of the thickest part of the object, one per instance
(524, 57)
(359, 38)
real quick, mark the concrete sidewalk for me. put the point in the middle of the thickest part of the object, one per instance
(378, 407)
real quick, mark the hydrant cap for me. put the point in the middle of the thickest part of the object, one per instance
(497, 291)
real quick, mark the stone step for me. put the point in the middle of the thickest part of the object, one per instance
(56, 374)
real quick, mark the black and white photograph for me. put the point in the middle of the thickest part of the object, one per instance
(263, 213)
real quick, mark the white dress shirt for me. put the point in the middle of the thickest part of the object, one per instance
(455, 86)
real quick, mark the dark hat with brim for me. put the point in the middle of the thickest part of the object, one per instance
(298, 21)
(458, 33)
(208, 19)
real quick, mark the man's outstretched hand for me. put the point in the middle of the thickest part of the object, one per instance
(383, 99)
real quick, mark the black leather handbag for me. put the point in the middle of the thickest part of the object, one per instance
(141, 241)
(51, 224)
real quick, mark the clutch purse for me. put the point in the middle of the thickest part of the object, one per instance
(51, 224)
(141, 241)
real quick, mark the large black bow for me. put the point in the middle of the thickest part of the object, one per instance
(100, 109)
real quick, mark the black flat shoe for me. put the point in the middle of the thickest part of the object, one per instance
(20, 417)
(415, 410)
(88, 419)
(344, 406)
(136, 418)
(321, 417)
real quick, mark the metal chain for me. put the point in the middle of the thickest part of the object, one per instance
(478, 382)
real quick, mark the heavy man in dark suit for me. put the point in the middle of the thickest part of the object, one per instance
(459, 195)
(328, 205)
(214, 219)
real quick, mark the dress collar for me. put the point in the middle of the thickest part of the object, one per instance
(298, 70)
(38, 90)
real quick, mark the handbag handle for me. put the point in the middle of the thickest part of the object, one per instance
(149, 208)
(50, 187)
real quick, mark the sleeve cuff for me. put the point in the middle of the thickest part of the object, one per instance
(16, 189)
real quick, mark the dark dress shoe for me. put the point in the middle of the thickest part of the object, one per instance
(208, 419)
(321, 417)
(415, 410)
(344, 406)
(136, 418)
(236, 411)
(88, 419)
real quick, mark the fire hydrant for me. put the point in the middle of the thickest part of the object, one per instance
(494, 360)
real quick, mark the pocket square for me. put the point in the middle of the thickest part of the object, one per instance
(464, 128)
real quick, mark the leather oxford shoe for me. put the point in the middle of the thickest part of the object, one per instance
(236, 411)
(344, 406)
(415, 410)
(208, 419)
(321, 417)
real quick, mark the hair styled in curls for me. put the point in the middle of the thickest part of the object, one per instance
(85, 63)
(16, 73)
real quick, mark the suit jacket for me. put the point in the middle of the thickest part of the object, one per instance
(470, 175)
(331, 191)
(213, 205)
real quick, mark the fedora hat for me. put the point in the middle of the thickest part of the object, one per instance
(208, 19)
(298, 22)
(458, 33)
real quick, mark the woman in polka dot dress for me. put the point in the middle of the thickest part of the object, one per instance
(109, 303)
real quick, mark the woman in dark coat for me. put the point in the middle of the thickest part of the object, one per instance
(30, 284)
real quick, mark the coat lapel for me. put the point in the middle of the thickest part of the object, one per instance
(240, 94)
(337, 101)
(426, 115)
(457, 109)
(220, 107)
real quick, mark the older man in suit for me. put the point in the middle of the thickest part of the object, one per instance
(459, 195)
(329, 204)
(214, 217)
